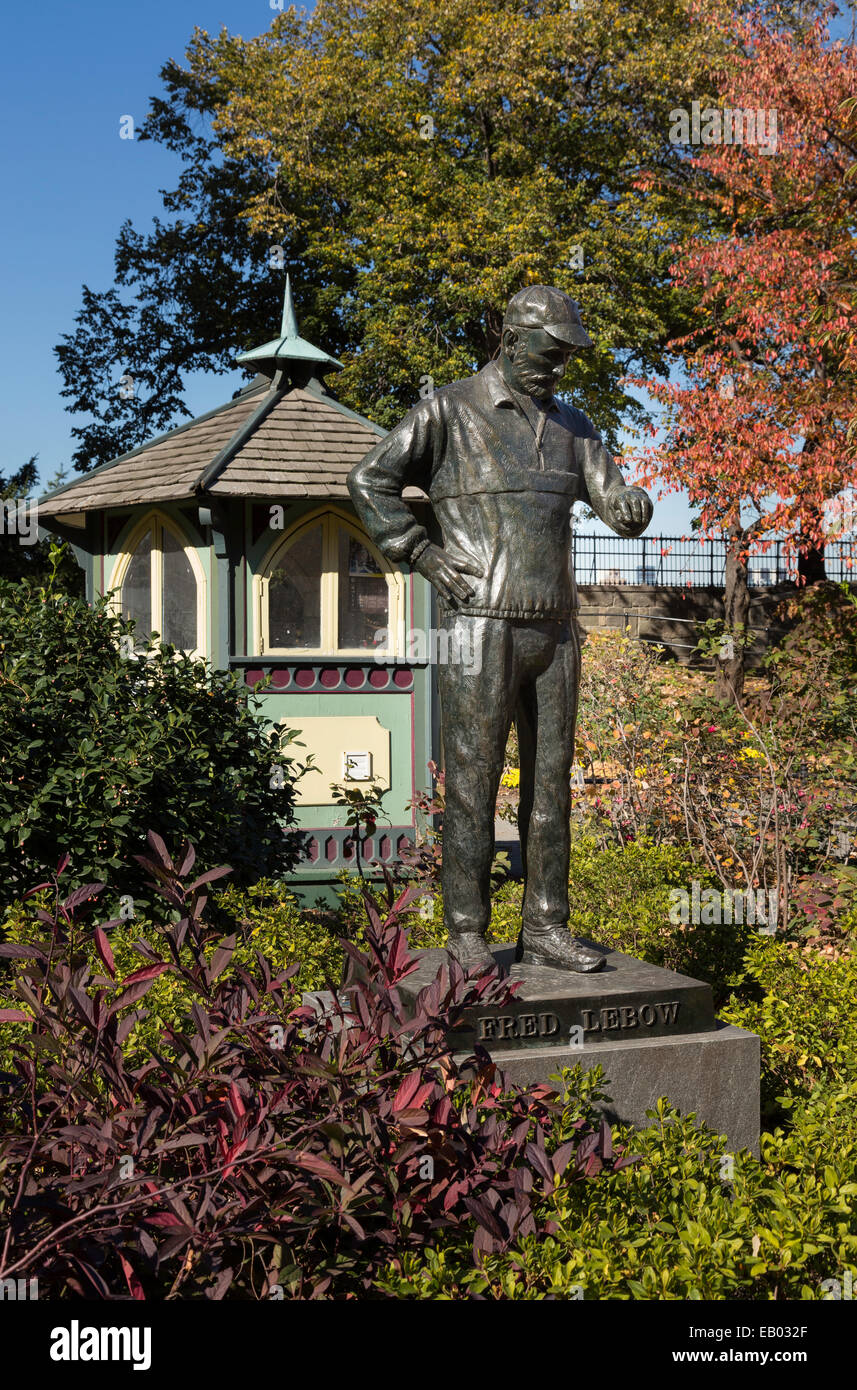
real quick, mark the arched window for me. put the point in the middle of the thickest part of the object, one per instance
(326, 589)
(161, 586)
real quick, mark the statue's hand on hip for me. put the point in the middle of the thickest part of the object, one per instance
(445, 573)
(631, 509)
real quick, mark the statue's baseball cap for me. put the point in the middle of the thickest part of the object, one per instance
(542, 306)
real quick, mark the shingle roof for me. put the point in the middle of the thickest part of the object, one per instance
(304, 447)
(270, 441)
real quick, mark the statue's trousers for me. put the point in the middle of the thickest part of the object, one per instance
(498, 670)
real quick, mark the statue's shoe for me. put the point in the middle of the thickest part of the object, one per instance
(470, 950)
(555, 946)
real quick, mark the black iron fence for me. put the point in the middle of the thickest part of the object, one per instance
(680, 563)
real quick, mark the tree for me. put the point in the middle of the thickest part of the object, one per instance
(760, 431)
(412, 167)
(100, 748)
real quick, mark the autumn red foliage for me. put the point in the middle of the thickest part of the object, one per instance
(760, 430)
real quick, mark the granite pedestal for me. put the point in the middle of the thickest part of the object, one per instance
(652, 1030)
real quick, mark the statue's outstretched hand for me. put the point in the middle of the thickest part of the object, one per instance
(445, 571)
(631, 507)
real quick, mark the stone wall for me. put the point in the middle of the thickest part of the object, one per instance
(671, 615)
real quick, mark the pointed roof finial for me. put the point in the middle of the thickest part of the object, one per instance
(275, 356)
(290, 323)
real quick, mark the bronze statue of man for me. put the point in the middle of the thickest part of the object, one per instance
(502, 461)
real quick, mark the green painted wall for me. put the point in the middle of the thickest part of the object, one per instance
(393, 712)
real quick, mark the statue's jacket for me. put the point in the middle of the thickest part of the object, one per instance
(502, 496)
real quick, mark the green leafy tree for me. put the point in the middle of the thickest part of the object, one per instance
(100, 748)
(414, 167)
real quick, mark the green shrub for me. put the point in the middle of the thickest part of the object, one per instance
(687, 1221)
(269, 918)
(801, 1004)
(506, 904)
(98, 750)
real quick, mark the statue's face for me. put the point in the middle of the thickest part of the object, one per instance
(535, 362)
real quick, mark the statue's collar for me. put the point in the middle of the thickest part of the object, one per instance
(498, 389)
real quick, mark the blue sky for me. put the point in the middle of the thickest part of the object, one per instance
(70, 73)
